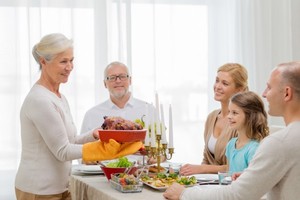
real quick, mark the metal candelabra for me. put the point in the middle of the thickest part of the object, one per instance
(159, 151)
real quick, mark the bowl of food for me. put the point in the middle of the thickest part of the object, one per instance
(122, 165)
(121, 130)
(126, 183)
(122, 135)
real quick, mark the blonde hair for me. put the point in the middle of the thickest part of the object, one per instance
(238, 73)
(51, 45)
(255, 115)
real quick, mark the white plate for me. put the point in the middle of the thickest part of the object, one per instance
(87, 169)
(206, 177)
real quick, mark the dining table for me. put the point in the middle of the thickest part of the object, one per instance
(97, 187)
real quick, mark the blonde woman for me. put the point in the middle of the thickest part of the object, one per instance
(231, 78)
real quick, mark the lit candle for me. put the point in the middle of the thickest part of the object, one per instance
(163, 131)
(170, 128)
(146, 118)
(153, 136)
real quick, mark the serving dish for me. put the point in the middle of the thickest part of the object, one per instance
(125, 183)
(122, 135)
(163, 188)
(162, 183)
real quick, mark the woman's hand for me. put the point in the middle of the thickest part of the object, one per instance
(96, 134)
(189, 169)
(174, 191)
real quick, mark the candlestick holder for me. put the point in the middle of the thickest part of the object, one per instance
(159, 151)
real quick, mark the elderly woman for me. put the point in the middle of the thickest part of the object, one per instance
(49, 139)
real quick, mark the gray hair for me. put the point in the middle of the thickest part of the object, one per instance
(112, 64)
(51, 45)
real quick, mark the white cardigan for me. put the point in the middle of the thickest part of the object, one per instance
(49, 143)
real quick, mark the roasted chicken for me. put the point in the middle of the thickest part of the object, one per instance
(119, 123)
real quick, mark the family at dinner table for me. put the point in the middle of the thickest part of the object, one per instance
(236, 135)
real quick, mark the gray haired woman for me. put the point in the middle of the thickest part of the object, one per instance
(48, 133)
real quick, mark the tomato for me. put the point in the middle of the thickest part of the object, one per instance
(122, 181)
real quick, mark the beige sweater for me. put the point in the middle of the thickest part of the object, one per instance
(218, 158)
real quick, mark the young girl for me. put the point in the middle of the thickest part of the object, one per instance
(248, 117)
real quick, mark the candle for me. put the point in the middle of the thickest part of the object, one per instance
(157, 114)
(153, 136)
(170, 128)
(146, 118)
(163, 127)
(156, 102)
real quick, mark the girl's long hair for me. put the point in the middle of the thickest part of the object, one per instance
(256, 118)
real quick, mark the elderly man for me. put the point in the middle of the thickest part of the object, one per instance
(121, 103)
(275, 168)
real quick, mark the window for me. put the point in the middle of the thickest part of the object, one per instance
(168, 45)
(164, 43)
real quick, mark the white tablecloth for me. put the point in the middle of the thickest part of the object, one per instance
(97, 187)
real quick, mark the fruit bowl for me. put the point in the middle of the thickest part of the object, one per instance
(108, 171)
(122, 135)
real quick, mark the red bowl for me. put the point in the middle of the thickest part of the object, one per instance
(122, 135)
(108, 171)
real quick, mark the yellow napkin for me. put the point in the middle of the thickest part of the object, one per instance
(97, 151)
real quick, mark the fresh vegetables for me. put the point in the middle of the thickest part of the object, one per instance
(140, 121)
(165, 180)
(125, 179)
(121, 162)
(126, 183)
(185, 180)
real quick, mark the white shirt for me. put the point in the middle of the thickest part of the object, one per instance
(212, 143)
(133, 109)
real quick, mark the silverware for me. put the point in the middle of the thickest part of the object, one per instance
(100, 163)
(140, 174)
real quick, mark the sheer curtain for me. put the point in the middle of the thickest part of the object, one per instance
(22, 25)
(258, 34)
(171, 46)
